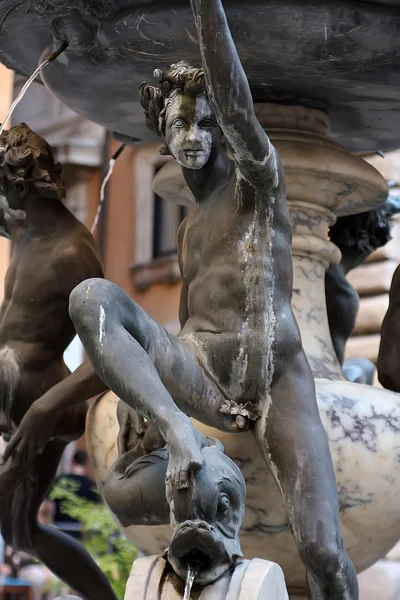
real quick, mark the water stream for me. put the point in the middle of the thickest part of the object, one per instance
(191, 576)
(27, 85)
(111, 166)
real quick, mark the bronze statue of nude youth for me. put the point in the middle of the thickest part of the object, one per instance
(240, 344)
(51, 253)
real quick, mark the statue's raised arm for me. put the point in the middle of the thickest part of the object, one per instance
(228, 89)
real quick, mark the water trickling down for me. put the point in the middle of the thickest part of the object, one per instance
(111, 166)
(191, 576)
(31, 79)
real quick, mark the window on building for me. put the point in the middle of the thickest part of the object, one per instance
(167, 218)
(156, 226)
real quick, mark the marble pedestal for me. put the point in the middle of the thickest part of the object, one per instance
(363, 426)
(323, 181)
(252, 580)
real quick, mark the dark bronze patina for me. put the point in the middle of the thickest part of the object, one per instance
(51, 253)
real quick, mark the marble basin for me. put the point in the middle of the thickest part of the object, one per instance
(339, 56)
(363, 425)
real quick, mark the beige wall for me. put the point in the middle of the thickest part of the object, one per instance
(6, 86)
(160, 301)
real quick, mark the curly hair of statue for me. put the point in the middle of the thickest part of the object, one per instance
(27, 165)
(180, 78)
(364, 232)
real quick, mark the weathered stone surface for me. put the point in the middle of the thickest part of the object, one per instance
(252, 580)
(380, 582)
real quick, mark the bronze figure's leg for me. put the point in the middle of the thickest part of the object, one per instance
(135, 485)
(342, 304)
(294, 443)
(135, 488)
(389, 351)
(153, 371)
(21, 529)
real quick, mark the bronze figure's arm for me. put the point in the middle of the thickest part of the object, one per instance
(40, 423)
(229, 91)
(79, 386)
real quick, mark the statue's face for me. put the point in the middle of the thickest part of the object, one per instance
(192, 131)
(27, 167)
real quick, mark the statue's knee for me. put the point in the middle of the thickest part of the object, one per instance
(86, 300)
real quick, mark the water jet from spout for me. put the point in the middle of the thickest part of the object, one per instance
(111, 166)
(191, 576)
(31, 79)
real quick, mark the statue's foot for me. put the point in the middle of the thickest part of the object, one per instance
(131, 428)
(185, 457)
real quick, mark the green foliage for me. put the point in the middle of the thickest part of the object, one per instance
(101, 537)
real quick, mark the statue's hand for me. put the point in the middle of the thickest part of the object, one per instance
(32, 436)
(132, 428)
(185, 457)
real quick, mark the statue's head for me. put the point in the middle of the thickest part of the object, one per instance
(27, 167)
(357, 236)
(179, 110)
(206, 518)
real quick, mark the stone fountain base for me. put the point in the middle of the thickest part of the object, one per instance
(252, 580)
(363, 426)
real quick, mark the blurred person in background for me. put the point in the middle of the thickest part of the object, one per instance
(86, 489)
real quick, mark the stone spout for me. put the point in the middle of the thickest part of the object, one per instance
(251, 580)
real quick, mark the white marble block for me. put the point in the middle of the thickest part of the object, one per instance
(252, 580)
(381, 582)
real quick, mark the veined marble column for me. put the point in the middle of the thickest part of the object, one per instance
(323, 181)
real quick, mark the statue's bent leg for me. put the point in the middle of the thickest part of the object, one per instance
(295, 445)
(153, 371)
(342, 303)
(389, 350)
(63, 555)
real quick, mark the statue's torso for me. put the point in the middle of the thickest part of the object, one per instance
(229, 249)
(35, 327)
(35, 306)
